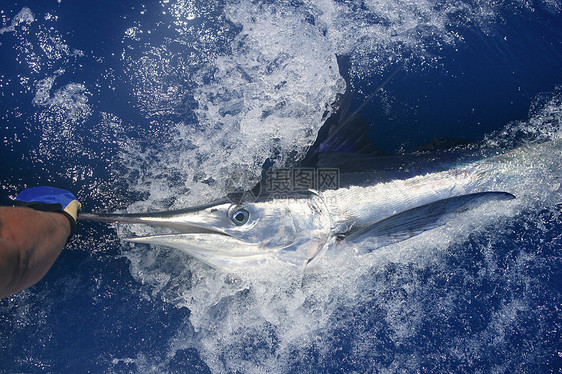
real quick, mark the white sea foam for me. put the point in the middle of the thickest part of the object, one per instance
(266, 98)
(25, 16)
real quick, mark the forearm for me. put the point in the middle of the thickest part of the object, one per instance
(30, 242)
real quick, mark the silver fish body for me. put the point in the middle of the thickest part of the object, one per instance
(299, 228)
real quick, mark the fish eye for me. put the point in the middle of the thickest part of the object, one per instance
(238, 215)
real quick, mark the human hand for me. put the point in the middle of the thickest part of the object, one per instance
(50, 199)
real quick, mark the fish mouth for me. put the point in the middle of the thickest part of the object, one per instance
(202, 233)
(202, 236)
(189, 232)
(216, 249)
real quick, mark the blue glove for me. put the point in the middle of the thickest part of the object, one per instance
(50, 199)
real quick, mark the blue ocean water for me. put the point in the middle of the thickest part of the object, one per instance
(146, 106)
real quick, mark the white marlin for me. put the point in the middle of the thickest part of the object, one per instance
(299, 228)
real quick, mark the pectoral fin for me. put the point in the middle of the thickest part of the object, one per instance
(414, 221)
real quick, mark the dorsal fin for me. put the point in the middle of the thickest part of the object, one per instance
(346, 131)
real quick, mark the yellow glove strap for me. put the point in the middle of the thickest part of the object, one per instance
(73, 208)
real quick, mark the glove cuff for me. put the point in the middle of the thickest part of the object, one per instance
(72, 222)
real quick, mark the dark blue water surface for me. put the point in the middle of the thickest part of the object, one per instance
(125, 74)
